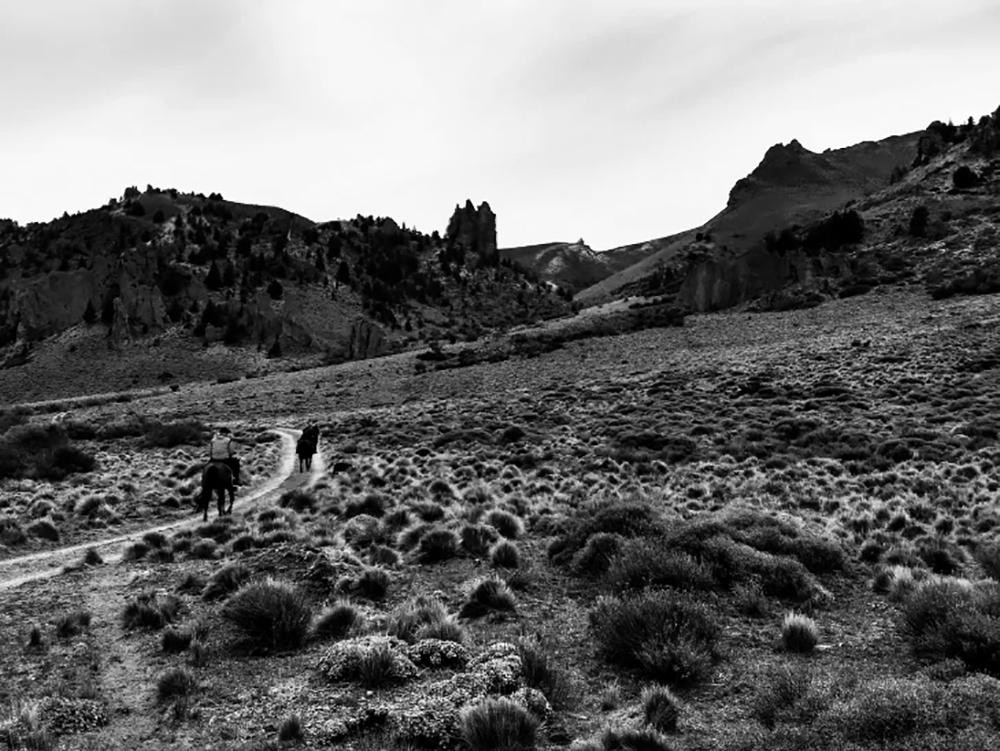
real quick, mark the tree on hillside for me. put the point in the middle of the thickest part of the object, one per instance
(343, 273)
(214, 279)
(964, 178)
(275, 290)
(89, 314)
(918, 221)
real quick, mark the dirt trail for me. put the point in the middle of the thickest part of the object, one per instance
(126, 674)
(17, 571)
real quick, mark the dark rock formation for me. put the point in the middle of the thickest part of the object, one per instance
(473, 231)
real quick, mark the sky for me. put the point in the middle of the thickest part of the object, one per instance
(614, 121)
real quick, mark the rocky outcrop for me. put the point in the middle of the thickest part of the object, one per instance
(366, 340)
(723, 282)
(474, 231)
(53, 302)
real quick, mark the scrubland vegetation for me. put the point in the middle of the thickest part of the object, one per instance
(773, 531)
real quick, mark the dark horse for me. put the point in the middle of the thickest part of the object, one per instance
(217, 477)
(305, 447)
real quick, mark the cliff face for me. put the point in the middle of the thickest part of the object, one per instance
(722, 282)
(474, 231)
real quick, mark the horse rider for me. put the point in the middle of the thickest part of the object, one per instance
(220, 449)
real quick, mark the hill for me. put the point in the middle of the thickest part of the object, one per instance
(806, 227)
(791, 185)
(572, 266)
(162, 286)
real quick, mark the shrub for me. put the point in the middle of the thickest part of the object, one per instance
(11, 532)
(540, 673)
(372, 504)
(175, 683)
(373, 583)
(298, 500)
(476, 538)
(175, 640)
(965, 177)
(595, 558)
(290, 729)
(505, 554)
(408, 618)
(204, 548)
(486, 595)
(948, 618)
(227, 579)
(663, 636)
(750, 600)
(73, 623)
(35, 637)
(445, 630)
(505, 523)
(437, 544)
(799, 633)
(382, 555)
(168, 435)
(498, 724)
(988, 557)
(632, 519)
(271, 614)
(634, 739)
(44, 529)
(785, 692)
(150, 611)
(660, 708)
(136, 551)
(786, 579)
(373, 661)
(336, 621)
(647, 563)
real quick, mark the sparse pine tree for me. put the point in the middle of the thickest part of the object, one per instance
(214, 279)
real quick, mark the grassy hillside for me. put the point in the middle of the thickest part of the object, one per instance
(611, 536)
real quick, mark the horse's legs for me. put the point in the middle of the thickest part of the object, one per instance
(232, 498)
(220, 493)
(206, 496)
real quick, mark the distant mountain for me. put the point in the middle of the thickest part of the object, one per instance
(182, 286)
(791, 185)
(572, 266)
(804, 227)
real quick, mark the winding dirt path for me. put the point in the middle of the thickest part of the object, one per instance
(26, 568)
(126, 673)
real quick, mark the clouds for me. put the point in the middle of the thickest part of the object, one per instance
(618, 121)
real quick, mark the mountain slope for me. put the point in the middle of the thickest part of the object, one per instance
(791, 185)
(572, 266)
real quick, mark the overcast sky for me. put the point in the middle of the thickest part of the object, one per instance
(612, 120)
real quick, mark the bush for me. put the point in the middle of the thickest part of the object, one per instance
(336, 621)
(595, 557)
(662, 636)
(634, 739)
(505, 555)
(227, 579)
(648, 563)
(476, 539)
(71, 624)
(799, 633)
(44, 529)
(540, 673)
(660, 708)
(175, 640)
(150, 611)
(271, 614)
(408, 618)
(298, 500)
(498, 724)
(290, 729)
(437, 544)
(488, 595)
(11, 532)
(373, 583)
(41, 451)
(372, 504)
(964, 178)
(505, 523)
(168, 435)
(204, 548)
(628, 520)
(949, 618)
(175, 683)
(988, 557)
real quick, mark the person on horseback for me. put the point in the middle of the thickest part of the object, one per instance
(220, 449)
